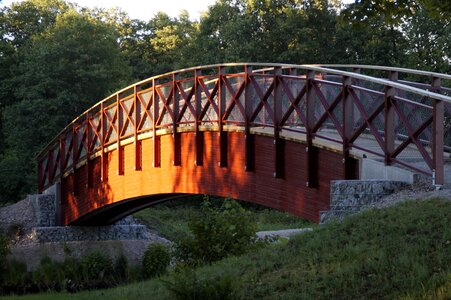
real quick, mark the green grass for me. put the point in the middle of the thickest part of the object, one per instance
(171, 219)
(402, 252)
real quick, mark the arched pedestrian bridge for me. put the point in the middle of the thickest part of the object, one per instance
(273, 134)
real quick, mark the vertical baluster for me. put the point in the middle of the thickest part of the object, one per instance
(104, 156)
(278, 113)
(198, 135)
(438, 133)
(177, 146)
(120, 149)
(75, 144)
(156, 113)
(249, 138)
(348, 126)
(137, 142)
(312, 152)
(222, 104)
(88, 152)
(390, 120)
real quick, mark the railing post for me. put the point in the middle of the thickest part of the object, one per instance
(279, 143)
(348, 126)
(222, 135)
(40, 176)
(58, 212)
(249, 139)
(176, 110)
(156, 113)
(198, 135)
(390, 119)
(88, 152)
(74, 158)
(312, 151)
(62, 155)
(292, 72)
(438, 132)
(74, 148)
(137, 142)
(104, 156)
(120, 149)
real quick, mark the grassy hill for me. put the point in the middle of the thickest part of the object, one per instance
(401, 252)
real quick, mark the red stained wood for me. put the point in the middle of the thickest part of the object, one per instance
(288, 194)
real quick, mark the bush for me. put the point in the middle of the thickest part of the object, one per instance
(73, 275)
(49, 275)
(156, 260)
(185, 284)
(217, 232)
(15, 274)
(4, 250)
(96, 266)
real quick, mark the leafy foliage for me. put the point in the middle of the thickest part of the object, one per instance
(97, 266)
(4, 250)
(49, 275)
(156, 260)
(217, 233)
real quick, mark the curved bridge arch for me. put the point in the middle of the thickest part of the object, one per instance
(273, 134)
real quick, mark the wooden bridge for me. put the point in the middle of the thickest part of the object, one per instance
(272, 134)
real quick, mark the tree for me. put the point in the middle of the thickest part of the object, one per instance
(395, 12)
(68, 67)
(18, 24)
(428, 40)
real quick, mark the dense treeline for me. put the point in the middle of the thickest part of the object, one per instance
(57, 59)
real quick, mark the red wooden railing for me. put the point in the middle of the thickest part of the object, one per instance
(408, 122)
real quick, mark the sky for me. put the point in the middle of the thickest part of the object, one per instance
(145, 9)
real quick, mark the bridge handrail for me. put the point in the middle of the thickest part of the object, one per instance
(309, 73)
(269, 66)
(391, 69)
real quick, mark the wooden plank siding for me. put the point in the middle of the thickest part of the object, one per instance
(288, 194)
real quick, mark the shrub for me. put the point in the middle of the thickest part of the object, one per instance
(185, 284)
(120, 267)
(156, 260)
(73, 275)
(96, 266)
(49, 275)
(217, 232)
(16, 273)
(4, 250)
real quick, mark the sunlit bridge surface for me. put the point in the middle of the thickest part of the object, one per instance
(272, 134)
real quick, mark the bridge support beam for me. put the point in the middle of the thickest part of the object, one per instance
(103, 155)
(136, 141)
(249, 138)
(198, 135)
(312, 151)
(279, 159)
(312, 165)
(438, 119)
(348, 127)
(155, 138)
(222, 106)
(120, 148)
(390, 120)
(177, 161)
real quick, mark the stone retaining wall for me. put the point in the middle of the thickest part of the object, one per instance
(351, 196)
(100, 233)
